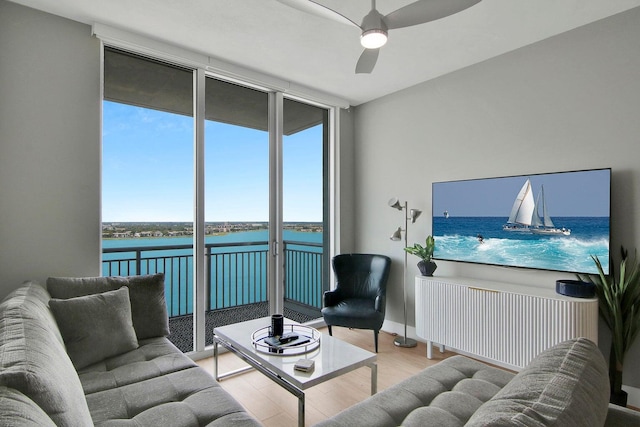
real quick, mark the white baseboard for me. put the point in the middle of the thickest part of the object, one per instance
(633, 395)
(398, 329)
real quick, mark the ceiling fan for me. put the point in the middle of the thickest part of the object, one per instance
(375, 26)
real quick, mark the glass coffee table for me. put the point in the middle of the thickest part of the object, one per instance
(332, 358)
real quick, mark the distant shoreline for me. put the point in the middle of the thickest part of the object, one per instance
(163, 230)
(162, 237)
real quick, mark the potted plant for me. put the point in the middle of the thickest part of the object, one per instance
(619, 306)
(426, 266)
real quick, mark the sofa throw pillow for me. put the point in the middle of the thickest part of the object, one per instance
(146, 293)
(95, 327)
(71, 287)
(148, 306)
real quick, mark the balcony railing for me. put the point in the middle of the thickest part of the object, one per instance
(236, 272)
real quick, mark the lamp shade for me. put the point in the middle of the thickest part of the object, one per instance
(414, 214)
(397, 235)
(395, 203)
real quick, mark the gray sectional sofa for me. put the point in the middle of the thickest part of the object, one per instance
(97, 354)
(564, 386)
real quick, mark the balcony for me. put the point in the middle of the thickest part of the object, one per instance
(236, 282)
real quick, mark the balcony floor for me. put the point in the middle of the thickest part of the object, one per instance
(182, 327)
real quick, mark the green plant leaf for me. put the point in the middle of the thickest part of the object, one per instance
(619, 301)
(423, 252)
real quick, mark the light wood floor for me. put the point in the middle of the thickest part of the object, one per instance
(276, 407)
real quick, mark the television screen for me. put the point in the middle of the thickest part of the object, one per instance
(550, 221)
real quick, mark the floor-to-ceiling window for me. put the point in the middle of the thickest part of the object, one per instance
(236, 189)
(147, 177)
(152, 160)
(305, 205)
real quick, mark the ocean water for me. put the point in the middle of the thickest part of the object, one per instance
(238, 273)
(242, 236)
(456, 239)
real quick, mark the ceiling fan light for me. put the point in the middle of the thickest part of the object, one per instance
(373, 39)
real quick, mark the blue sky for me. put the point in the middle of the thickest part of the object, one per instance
(583, 193)
(148, 169)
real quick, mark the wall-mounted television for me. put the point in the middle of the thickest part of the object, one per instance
(548, 221)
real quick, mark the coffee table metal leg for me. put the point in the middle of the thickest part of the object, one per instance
(215, 359)
(217, 375)
(301, 410)
(374, 378)
(253, 364)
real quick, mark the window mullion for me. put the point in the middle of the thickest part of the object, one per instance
(199, 261)
(276, 271)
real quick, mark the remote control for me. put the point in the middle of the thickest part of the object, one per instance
(285, 338)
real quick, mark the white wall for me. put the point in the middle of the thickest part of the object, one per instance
(346, 184)
(570, 102)
(49, 147)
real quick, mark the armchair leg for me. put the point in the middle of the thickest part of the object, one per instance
(375, 339)
(330, 333)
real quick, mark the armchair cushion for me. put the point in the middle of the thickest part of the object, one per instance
(354, 313)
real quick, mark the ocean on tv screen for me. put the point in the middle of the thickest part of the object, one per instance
(483, 240)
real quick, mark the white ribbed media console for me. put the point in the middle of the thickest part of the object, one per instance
(503, 323)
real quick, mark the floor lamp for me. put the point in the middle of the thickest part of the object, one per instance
(412, 215)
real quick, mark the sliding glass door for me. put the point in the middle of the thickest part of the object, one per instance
(147, 179)
(220, 186)
(305, 207)
(236, 189)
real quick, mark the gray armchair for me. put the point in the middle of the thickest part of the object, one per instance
(359, 299)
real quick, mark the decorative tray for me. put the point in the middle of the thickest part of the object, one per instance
(308, 339)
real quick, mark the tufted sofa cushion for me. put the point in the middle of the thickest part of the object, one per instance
(189, 396)
(153, 358)
(444, 395)
(155, 383)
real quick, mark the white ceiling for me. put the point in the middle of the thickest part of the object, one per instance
(274, 39)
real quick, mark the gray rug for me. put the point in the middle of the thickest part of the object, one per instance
(182, 327)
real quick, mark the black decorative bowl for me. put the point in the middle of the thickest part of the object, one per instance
(576, 288)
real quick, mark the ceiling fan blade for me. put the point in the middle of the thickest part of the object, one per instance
(367, 61)
(313, 8)
(423, 11)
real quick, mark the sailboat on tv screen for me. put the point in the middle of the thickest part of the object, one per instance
(525, 218)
